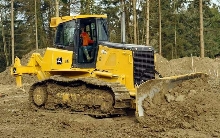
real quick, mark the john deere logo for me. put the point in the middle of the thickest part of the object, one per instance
(59, 60)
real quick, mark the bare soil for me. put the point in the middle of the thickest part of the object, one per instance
(191, 109)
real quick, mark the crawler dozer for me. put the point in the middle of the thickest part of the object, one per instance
(118, 76)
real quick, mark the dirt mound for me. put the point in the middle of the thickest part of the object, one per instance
(193, 104)
(6, 78)
(25, 58)
(187, 65)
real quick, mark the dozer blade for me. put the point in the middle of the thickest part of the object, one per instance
(150, 93)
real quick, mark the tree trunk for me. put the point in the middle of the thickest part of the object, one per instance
(57, 8)
(147, 23)
(12, 31)
(36, 33)
(135, 21)
(201, 30)
(123, 39)
(138, 30)
(159, 10)
(4, 43)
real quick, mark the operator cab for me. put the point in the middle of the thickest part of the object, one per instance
(68, 37)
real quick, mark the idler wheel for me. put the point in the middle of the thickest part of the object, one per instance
(40, 96)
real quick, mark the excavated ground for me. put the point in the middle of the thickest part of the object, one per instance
(190, 110)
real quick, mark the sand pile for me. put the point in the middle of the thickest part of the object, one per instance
(188, 65)
(190, 105)
(193, 104)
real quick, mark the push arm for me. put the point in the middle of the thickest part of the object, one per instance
(33, 68)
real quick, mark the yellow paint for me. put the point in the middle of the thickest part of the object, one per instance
(117, 65)
(49, 61)
(18, 80)
(55, 21)
(113, 65)
(118, 62)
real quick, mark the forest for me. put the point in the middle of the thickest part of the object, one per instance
(173, 24)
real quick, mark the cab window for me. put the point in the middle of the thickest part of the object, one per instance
(102, 30)
(65, 34)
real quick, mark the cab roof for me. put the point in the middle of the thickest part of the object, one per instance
(55, 21)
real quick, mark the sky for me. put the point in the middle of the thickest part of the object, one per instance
(215, 1)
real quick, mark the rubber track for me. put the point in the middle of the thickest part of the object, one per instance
(121, 97)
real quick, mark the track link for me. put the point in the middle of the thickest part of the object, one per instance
(83, 95)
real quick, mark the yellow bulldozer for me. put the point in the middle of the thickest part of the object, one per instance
(117, 77)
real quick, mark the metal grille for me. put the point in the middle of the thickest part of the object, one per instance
(143, 66)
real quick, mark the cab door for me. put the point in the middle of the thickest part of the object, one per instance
(80, 57)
